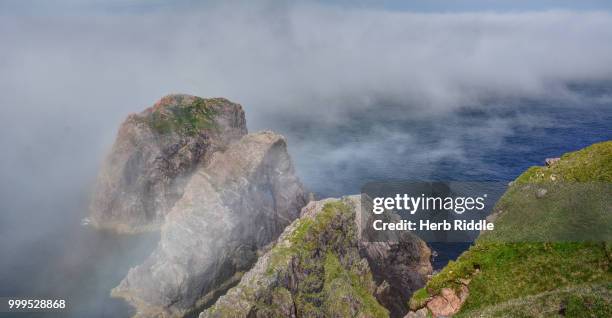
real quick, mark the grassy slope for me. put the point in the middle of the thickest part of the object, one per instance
(535, 279)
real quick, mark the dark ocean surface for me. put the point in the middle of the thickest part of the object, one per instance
(492, 143)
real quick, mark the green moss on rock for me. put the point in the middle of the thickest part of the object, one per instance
(186, 116)
(325, 250)
(315, 270)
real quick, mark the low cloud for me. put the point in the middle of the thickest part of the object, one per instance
(68, 80)
(298, 59)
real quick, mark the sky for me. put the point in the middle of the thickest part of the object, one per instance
(140, 6)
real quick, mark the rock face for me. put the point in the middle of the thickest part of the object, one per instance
(233, 206)
(153, 156)
(319, 268)
(401, 267)
(400, 261)
(448, 302)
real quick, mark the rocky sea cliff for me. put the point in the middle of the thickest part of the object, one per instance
(221, 198)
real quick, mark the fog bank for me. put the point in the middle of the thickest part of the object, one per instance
(68, 79)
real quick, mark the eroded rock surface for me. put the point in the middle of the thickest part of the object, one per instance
(400, 261)
(232, 207)
(319, 268)
(153, 156)
(447, 303)
(401, 266)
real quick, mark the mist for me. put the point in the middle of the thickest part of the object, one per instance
(68, 79)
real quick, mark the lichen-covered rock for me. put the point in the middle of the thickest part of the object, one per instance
(153, 156)
(231, 208)
(316, 269)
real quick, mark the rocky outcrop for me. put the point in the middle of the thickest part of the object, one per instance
(221, 197)
(448, 302)
(153, 156)
(233, 206)
(320, 268)
(551, 161)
